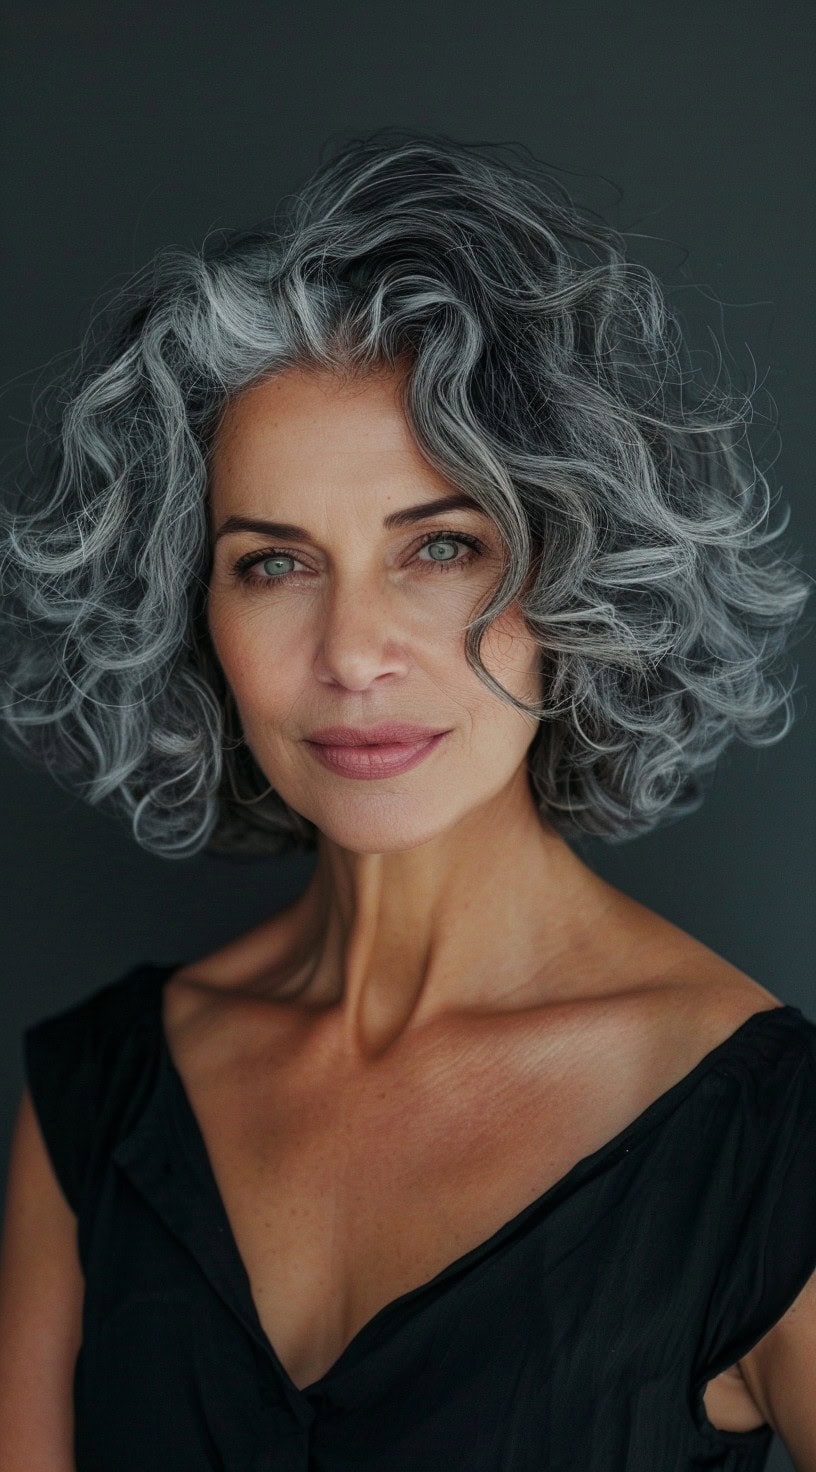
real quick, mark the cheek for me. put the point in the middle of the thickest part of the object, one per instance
(512, 656)
(267, 664)
(261, 663)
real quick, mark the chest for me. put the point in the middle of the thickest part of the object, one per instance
(344, 1194)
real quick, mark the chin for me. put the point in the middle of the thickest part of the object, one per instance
(383, 831)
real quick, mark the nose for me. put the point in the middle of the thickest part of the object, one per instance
(361, 640)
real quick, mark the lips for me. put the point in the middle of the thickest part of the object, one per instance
(390, 733)
(386, 759)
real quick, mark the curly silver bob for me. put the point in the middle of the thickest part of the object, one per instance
(548, 378)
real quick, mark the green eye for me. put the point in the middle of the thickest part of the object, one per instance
(269, 556)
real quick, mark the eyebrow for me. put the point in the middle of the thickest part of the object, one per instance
(407, 517)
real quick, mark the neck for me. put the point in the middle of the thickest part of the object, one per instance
(471, 921)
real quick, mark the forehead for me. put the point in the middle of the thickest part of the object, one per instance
(305, 436)
(301, 414)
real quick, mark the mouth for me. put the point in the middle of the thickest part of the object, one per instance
(376, 760)
(407, 733)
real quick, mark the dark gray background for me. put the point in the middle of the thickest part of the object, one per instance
(131, 125)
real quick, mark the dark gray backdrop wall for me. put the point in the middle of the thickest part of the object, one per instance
(129, 126)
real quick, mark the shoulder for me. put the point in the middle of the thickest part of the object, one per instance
(95, 1024)
(695, 992)
(699, 1003)
(260, 961)
(668, 1000)
(713, 1001)
(87, 1069)
(658, 971)
(257, 967)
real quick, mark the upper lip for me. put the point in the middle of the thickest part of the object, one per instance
(406, 732)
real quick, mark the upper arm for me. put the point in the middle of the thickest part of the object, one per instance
(41, 1292)
(780, 1372)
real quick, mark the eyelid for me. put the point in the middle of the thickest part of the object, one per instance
(432, 535)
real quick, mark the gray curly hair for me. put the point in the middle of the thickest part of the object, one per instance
(548, 378)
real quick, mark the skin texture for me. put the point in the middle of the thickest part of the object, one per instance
(454, 1010)
(406, 922)
(370, 629)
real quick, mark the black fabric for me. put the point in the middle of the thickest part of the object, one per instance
(579, 1336)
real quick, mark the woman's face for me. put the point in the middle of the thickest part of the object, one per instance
(351, 621)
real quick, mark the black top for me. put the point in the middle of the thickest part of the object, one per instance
(579, 1335)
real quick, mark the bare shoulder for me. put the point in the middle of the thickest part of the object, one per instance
(717, 993)
(698, 1000)
(668, 994)
(218, 990)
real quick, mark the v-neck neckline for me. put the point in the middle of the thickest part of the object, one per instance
(576, 1175)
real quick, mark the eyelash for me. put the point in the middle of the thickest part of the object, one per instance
(242, 568)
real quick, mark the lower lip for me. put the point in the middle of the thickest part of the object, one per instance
(371, 762)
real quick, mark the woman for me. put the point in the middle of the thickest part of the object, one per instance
(391, 532)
